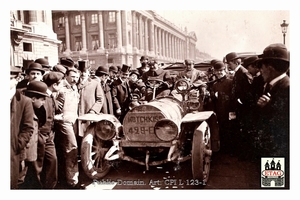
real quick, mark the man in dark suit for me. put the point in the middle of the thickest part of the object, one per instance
(221, 96)
(121, 94)
(102, 73)
(274, 103)
(240, 86)
(157, 73)
(21, 126)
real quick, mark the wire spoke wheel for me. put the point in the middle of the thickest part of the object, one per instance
(93, 151)
(201, 153)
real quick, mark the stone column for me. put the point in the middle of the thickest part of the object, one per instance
(83, 30)
(141, 33)
(133, 13)
(67, 30)
(163, 45)
(151, 35)
(101, 34)
(146, 39)
(119, 31)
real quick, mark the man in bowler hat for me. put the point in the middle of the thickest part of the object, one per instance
(275, 104)
(46, 164)
(121, 93)
(37, 92)
(240, 87)
(34, 72)
(103, 75)
(21, 126)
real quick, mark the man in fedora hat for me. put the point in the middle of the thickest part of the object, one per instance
(274, 103)
(34, 72)
(121, 93)
(37, 92)
(21, 126)
(249, 132)
(102, 73)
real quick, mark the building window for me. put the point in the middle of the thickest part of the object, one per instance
(111, 17)
(112, 40)
(78, 43)
(94, 19)
(62, 46)
(61, 22)
(77, 20)
(95, 42)
(27, 47)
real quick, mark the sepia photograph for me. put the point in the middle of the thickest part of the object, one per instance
(151, 99)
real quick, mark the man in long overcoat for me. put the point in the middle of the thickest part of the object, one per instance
(91, 96)
(21, 126)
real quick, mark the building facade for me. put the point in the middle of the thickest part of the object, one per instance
(116, 37)
(32, 37)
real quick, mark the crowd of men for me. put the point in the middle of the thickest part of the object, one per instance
(250, 98)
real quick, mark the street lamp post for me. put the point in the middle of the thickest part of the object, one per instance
(284, 27)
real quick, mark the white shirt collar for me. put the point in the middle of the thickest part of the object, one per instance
(237, 68)
(277, 79)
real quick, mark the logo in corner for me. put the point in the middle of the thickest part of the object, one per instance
(272, 172)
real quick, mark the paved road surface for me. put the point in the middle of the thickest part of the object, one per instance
(226, 172)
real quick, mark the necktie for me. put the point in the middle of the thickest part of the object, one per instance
(267, 88)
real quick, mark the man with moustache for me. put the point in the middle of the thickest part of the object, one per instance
(65, 138)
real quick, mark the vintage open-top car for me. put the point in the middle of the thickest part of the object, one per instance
(162, 130)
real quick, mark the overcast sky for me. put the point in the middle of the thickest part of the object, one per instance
(224, 31)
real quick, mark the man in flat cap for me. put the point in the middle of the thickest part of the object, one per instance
(275, 104)
(157, 73)
(144, 65)
(221, 98)
(21, 126)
